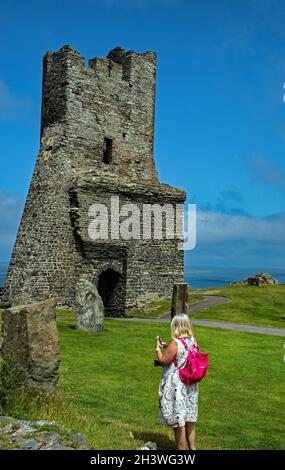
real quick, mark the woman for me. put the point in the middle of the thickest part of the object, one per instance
(178, 402)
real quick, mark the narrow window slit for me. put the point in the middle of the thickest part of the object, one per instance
(107, 150)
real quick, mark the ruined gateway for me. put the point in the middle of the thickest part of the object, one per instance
(97, 130)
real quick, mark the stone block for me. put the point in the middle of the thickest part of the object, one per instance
(179, 302)
(30, 345)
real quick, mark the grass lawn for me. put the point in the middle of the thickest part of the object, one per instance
(110, 378)
(262, 306)
(109, 386)
(158, 308)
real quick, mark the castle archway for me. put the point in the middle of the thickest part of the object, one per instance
(111, 287)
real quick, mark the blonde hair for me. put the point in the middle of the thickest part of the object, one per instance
(181, 326)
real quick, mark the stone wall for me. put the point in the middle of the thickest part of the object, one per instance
(147, 266)
(111, 98)
(96, 141)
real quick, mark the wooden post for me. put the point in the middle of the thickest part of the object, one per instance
(179, 299)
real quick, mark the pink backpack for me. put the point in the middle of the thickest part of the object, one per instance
(196, 364)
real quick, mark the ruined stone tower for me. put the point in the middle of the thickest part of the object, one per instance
(97, 131)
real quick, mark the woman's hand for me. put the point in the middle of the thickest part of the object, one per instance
(167, 357)
(160, 344)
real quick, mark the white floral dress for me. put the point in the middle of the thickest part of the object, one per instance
(178, 402)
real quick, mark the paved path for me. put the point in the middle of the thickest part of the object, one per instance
(216, 300)
(264, 330)
(211, 301)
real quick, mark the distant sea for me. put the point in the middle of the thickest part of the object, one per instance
(203, 277)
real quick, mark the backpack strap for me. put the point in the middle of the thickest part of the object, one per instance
(186, 345)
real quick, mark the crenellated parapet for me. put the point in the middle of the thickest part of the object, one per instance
(108, 103)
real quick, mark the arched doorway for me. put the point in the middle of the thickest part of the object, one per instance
(112, 291)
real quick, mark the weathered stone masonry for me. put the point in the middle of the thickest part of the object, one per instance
(96, 142)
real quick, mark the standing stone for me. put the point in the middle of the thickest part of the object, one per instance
(30, 345)
(179, 299)
(89, 306)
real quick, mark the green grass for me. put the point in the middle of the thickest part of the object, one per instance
(158, 308)
(262, 306)
(41, 406)
(110, 379)
(109, 388)
(29, 405)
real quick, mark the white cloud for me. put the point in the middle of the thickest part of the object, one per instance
(214, 227)
(239, 240)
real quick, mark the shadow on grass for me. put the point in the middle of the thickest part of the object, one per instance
(162, 442)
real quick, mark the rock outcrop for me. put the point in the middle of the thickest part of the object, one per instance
(258, 280)
(38, 435)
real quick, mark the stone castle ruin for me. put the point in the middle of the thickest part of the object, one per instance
(97, 131)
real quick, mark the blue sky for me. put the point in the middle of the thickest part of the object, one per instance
(220, 113)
